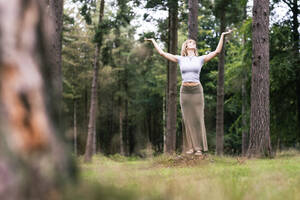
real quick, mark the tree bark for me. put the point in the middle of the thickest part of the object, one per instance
(121, 129)
(296, 38)
(164, 120)
(75, 127)
(126, 146)
(92, 118)
(95, 130)
(193, 19)
(260, 144)
(56, 13)
(120, 98)
(34, 163)
(172, 71)
(244, 121)
(220, 93)
(244, 99)
(111, 116)
(86, 108)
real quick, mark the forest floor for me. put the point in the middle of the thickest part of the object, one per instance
(191, 178)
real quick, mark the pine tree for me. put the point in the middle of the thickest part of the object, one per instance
(91, 126)
(259, 143)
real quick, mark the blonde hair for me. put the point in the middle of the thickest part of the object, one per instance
(184, 48)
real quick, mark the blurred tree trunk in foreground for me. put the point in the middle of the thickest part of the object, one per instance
(34, 163)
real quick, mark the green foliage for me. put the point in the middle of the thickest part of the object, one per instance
(156, 4)
(101, 30)
(237, 73)
(77, 62)
(282, 81)
(233, 10)
(86, 9)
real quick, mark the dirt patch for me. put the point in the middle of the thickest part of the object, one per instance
(184, 161)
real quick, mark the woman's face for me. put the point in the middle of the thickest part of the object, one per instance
(191, 44)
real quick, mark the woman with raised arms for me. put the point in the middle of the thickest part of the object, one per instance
(191, 92)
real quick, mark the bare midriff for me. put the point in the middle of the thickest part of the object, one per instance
(190, 83)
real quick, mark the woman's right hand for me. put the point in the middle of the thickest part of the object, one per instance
(161, 52)
(226, 33)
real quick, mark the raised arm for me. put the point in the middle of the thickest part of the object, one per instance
(168, 56)
(211, 55)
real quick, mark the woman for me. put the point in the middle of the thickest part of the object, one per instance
(191, 92)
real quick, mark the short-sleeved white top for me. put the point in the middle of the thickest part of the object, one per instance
(190, 67)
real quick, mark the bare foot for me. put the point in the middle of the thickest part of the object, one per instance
(198, 153)
(189, 152)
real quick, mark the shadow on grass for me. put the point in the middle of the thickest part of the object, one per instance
(97, 191)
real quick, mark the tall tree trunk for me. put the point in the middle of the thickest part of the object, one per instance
(112, 114)
(167, 97)
(121, 128)
(120, 99)
(164, 119)
(94, 139)
(295, 10)
(92, 118)
(244, 121)
(172, 69)
(260, 144)
(56, 13)
(220, 93)
(86, 108)
(244, 97)
(28, 106)
(126, 147)
(75, 126)
(193, 19)
(95, 130)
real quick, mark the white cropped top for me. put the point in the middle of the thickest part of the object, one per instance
(190, 67)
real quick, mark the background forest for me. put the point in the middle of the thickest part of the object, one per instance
(132, 79)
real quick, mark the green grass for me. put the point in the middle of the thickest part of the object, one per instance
(176, 178)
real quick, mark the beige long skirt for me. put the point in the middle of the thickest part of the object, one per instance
(192, 109)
